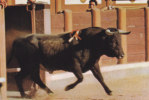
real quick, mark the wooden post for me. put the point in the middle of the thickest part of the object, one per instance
(3, 54)
(47, 20)
(96, 17)
(58, 5)
(11, 2)
(68, 20)
(147, 33)
(122, 26)
(33, 18)
(107, 3)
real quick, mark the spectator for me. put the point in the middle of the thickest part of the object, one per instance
(92, 4)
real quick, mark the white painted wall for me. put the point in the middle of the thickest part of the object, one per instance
(70, 2)
(129, 2)
(25, 1)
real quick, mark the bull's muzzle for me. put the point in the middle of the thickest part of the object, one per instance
(121, 56)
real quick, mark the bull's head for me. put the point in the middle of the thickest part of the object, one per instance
(106, 41)
(113, 42)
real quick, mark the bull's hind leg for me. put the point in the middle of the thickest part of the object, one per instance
(96, 72)
(19, 81)
(36, 78)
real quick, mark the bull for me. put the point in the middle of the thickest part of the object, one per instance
(76, 52)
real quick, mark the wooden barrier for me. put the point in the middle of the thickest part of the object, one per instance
(47, 20)
(58, 4)
(122, 25)
(96, 17)
(3, 54)
(67, 20)
(147, 33)
(33, 18)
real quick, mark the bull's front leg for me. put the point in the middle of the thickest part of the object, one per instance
(78, 73)
(97, 73)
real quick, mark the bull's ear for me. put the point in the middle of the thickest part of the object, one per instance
(124, 32)
(108, 32)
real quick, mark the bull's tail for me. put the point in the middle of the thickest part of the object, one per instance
(11, 55)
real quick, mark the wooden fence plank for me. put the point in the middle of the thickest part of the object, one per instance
(96, 17)
(122, 26)
(3, 54)
(68, 20)
(147, 32)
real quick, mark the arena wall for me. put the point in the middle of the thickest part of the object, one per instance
(18, 23)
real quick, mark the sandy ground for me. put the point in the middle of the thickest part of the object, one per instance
(129, 88)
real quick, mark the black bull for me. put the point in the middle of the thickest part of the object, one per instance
(76, 53)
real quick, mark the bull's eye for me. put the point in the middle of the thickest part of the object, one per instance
(113, 44)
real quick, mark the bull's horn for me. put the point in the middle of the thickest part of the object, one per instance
(123, 32)
(108, 32)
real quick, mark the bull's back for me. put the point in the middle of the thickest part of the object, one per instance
(56, 54)
(24, 51)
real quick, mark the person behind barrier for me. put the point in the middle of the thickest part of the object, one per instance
(92, 4)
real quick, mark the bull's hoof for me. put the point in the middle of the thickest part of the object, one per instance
(50, 94)
(26, 96)
(68, 87)
(0, 84)
(109, 93)
(48, 90)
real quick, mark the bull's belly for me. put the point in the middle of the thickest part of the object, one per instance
(58, 64)
(63, 65)
(65, 62)
(54, 66)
